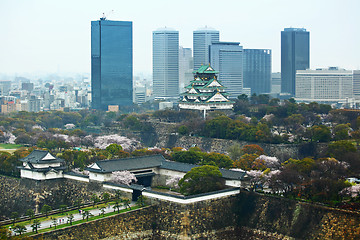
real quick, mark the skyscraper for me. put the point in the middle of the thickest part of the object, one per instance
(295, 55)
(166, 63)
(202, 39)
(227, 57)
(257, 70)
(111, 63)
(185, 67)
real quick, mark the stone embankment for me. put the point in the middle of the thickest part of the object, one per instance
(245, 216)
(18, 195)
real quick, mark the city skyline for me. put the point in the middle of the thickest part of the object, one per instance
(53, 37)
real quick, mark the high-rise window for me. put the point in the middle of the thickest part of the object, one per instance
(295, 55)
(166, 63)
(227, 57)
(202, 39)
(111, 63)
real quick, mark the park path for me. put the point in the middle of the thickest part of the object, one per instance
(77, 216)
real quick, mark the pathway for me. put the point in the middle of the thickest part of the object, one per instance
(77, 216)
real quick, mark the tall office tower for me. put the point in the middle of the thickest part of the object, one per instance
(276, 82)
(227, 57)
(257, 70)
(166, 63)
(295, 55)
(111, 63)
(185, 67)
(324, 85)
(202, 39)
(356, 84)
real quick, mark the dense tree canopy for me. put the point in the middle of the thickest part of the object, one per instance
(201, 180)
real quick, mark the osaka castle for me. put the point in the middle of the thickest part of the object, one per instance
(205, 92)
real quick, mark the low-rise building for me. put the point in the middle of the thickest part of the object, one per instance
(41, 165)
(331, 85)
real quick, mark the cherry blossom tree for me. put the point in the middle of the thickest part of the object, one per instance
(69, 126)
(123, 177)
(256, 180)
(352, 191)
(173, 181)
(270, 162)
(128, 144)
(10, 138)
(78, 171)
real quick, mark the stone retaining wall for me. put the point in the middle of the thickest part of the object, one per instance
(245, 216)
(18, 195)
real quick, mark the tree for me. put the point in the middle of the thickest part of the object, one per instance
(54, 222)
(30, 213)
(123, 177)
(14, 216)
(217, 159)
(126, 203)
(35, 225)
(86, 214)
(190, 156)
(141, 201)
(201, 179)
(63, 208)
(117, 206)
(78, 203)
(235, 151)
(70, 218)
(183, 130)
(248, 162)
(102, 210)
(253, 149)
(45, 209)
(20, 229)
(341, 131)
(94, 199)
(118, 194)
(106, 197)
(320, 133)
(338, 149)
(114, 148)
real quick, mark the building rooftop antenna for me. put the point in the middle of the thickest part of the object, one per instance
(107, 14)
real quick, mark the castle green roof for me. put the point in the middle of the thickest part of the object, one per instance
(205, 69)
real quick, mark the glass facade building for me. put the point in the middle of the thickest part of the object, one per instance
(295, 55)
(227, 58)
(257, 70)
(111, 63)
(166, 63)
(202, 39)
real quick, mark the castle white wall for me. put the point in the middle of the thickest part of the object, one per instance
(40, 175)
(77, 178)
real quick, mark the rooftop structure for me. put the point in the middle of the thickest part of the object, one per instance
(147, 167)
(41, 165)
(205, 92)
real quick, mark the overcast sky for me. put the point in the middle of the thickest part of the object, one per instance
(54, 35)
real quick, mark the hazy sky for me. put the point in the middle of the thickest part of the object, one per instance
(52, 35)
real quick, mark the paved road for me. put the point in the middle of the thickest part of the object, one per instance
(77, 216)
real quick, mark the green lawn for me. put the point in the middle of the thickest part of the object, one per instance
(10, 146)
(82, 221)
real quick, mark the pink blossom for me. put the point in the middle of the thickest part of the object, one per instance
(352, 191)
(270, 162)
(128, 144)
(123, 177)
(173, 181)
(78, 171)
